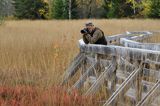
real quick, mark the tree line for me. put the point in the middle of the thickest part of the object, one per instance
(79, 9)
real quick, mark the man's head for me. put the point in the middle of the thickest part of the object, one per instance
(89, 26)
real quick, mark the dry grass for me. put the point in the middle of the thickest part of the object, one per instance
(38, 52)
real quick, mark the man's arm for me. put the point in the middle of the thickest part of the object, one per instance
(97, 34)
(85, 39)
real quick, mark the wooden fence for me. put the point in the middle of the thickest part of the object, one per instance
(128, 69)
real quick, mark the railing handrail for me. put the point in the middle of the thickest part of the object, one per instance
(136, 53)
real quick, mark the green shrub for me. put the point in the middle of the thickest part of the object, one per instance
(31, 9)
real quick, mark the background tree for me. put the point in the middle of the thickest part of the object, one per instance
(116, 8)
(80, 9)
(125, 8)
(59, 10)
(90, 8)
(144, 9)
(72, 7)
(6, 7)
(155, 9)
(31, 9)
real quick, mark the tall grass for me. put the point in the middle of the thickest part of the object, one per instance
(36, 53)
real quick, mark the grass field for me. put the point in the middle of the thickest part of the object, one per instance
(36, 53)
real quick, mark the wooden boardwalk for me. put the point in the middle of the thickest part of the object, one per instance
(128, 69)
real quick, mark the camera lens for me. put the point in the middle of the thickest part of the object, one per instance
(82, 31)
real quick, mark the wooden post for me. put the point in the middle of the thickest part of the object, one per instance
(139, 83)
(97, 59)
(146, 74)
(84, 68)
(113, 79)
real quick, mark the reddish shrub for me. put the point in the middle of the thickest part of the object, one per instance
(31, 96)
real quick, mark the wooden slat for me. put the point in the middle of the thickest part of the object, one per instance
(82, 79)
(123, 87)
(153, 93)
(75, 64)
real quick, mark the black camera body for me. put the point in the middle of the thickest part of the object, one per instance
(84, 31)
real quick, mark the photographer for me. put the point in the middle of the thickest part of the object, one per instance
(93, 35)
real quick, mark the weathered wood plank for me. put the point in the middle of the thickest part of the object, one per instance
(141, 32)
(75, 64)
(154, 92)
(130, 43)
(123, 87)
(82, 79)
(129, 53)
(116, 38)
(141, 36)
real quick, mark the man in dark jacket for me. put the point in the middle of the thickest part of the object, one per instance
(93, 35)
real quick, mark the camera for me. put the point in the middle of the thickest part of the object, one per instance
(84, 31)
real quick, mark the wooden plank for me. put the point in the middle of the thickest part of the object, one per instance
(104, 75)
(154, 92)
(82, 79)
(116, 38)
(75, 64)
(141, 32)
(130, 43)
(129, 53)
(141, 36)
(123, 87)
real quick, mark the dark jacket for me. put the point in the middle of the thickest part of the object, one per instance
(95, 37)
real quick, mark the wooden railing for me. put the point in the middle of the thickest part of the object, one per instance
(128, 69)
